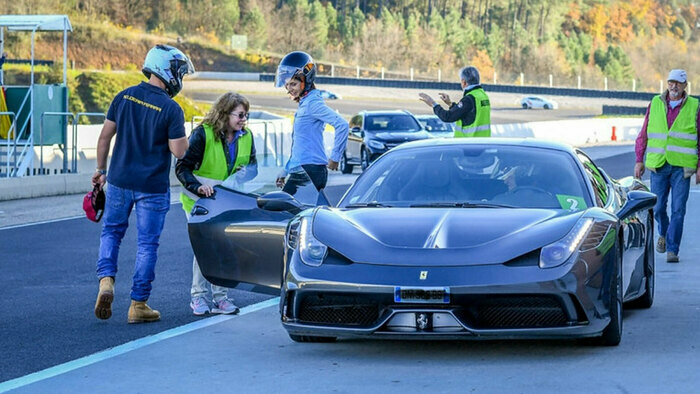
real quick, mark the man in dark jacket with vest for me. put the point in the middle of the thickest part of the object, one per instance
(472, 113)
(669, 137)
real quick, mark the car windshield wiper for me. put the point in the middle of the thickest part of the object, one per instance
(460, 205)
(370, 204)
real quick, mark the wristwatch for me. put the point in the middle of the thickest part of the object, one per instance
(101, 171)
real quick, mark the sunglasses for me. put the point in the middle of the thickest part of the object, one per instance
(241, 115)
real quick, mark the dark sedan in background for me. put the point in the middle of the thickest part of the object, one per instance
(444, 238)
(374, 132)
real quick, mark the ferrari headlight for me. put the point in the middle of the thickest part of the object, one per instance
(375, 144)
(311, 250)
(555, 254)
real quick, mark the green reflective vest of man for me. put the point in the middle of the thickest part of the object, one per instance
(677, 145)
(216, 164)
(481, 126)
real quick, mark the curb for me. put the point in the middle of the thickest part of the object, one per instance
(44, 186)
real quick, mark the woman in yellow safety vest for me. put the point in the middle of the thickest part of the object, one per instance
(220, 146)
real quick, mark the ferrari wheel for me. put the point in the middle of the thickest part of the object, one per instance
(647, 300)
(613, 332)
(546, 106)
(345, 168)
(309, 338)
(525, 106)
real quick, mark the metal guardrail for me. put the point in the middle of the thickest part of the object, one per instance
(539, 90)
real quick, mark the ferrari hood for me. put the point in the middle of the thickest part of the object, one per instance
(454, 236)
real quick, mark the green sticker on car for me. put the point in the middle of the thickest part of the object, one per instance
(571, 203)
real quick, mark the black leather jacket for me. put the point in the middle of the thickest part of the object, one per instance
(465, 109)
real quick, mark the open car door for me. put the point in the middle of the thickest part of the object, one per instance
(238, 234)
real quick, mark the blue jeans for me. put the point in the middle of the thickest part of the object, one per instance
(670, 179)
(150, 218)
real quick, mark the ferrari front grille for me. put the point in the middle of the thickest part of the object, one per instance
(516, 311)
(338, 309)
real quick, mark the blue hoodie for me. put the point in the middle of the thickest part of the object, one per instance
(307, 136)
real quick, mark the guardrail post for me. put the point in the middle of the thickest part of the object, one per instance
(382, 72)
(439, 75)
(358, 72)
(495, 77)
(522, 79)
(551, 81)
(332, 70)
(411, 73)
(579, 82)
(265, 145)
(605, 82)
(634, 85)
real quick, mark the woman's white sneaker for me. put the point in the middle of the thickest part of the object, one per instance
(199, 306)
(224, 306)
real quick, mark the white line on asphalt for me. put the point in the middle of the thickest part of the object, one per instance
(127, 347)
(37, 223)
(53, 220)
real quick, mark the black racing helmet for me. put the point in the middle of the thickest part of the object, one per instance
(296, 63)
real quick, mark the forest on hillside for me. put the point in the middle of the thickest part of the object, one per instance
(621, 41)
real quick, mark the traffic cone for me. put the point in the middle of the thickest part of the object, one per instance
(613, 137)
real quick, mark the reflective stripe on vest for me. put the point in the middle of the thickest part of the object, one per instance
(481, 127)
(677, 146)
(214, 167)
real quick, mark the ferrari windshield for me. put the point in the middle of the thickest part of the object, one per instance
(472, 176)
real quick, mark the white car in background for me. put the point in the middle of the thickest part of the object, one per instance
(328, 95)
(538, 102)
(436, 127)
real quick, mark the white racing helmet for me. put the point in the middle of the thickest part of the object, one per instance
(170, 65)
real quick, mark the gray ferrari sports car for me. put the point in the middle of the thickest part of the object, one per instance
(443, 238)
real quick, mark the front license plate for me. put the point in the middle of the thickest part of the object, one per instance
(422, 295)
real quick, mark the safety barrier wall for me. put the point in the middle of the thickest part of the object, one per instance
(535, 90)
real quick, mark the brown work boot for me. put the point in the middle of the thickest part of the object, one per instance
(139, 312)
(105, 296)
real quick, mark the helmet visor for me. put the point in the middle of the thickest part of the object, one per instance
(284, 74)
(182, 66)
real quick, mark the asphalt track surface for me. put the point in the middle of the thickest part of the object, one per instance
(48, 284)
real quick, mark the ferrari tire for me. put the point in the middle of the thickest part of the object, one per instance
(647, 300)
(344, 167)
(525, 106)
(612, 334)
(546, 106)
(311, 339)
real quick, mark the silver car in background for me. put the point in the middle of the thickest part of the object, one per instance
(436, 127)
